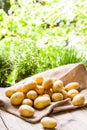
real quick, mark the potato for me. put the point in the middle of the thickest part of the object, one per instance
(48, 122)
(58, 86)
(29, 85)
(57, 97)
(49, 92)
(72, 85)
(78, 100)
(72, 93)
(9, 91)
(17, 98)
(46, 95)
(40, 89)
(18, 87)
(27, 102)
(26, 111)
(25, 87)
(47, 83)
(41, 102)
(32, 94)
(64, 93)
(39, 80)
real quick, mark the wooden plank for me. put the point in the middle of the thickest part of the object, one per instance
(2, 123)
(66, 121)
(72, 120)
(69, 120)
(15, 123)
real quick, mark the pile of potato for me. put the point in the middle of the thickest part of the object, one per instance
(38, 93)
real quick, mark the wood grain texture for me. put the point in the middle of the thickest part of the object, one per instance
(2, 123)
(73, 120)
(14, 123)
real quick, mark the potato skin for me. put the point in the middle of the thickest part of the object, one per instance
(48, 122)
(25, 87)
(30, 85)
(49, 92)
(40, 89)
(72, 93)
(32, 95)
(78, 100)
(26, 111)
(46, 95)
(72, 85)
(57, 97)
(27, 101)
(41, 102)
(58, 86)
(9, 91)
(39, 80)
(18, 88)
(47, 83)
(17, 98)
(64, 93)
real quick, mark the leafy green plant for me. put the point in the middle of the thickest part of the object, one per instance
(5, 68)
(34, 36)
(70, 55)
(55, 56)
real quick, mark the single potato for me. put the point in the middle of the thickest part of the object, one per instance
(57, 97)
(47, 83)
(17, 98)
(46, 95)
(9, 91)
(40, 89)
(78, 100)
(58, 86)
(18, 87)
(32, 94)
(72, 85)
(72, 93)
(26, 111)
(41, 102)
(48, 122)
(27, 102)
(29, 85)
(39, 80)
(49, 92)
(64, 93)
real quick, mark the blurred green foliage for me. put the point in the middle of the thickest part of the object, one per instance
(36, 37)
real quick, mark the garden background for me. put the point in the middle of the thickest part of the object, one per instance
(39, 35)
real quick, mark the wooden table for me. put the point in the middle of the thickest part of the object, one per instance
(72, 120)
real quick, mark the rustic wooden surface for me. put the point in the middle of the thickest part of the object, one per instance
(71, 120)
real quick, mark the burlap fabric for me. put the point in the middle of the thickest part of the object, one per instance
(67, 73)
